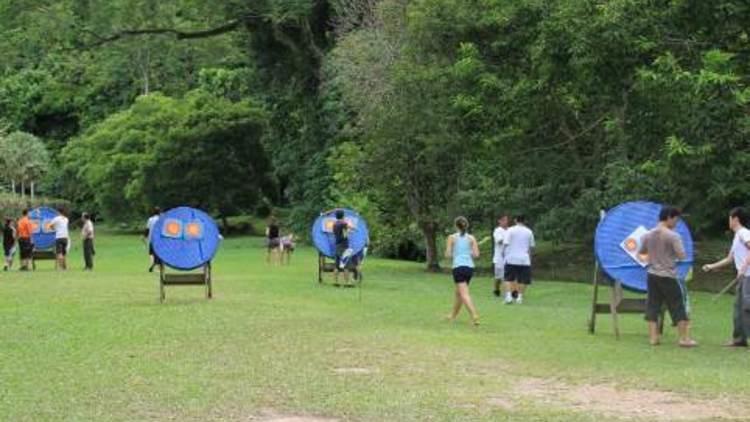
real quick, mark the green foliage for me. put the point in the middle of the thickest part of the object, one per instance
(24, 158)
(202, 150)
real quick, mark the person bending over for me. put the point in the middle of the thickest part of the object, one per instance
(462, 249)
(662, 247)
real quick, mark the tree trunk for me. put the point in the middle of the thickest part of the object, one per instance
(13, 186)
(23, 189)
(32, 190)
(429, 231)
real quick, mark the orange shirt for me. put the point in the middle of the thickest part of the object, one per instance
(24, 228)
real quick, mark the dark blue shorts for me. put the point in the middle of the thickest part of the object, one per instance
(463, 274)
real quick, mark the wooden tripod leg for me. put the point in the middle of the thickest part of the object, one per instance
(592, 319)
(162, 292)
(209, 281)
(613, 304)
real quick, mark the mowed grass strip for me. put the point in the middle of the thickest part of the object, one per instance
(99, 346)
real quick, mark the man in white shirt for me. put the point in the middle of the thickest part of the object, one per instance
(62, 239)
(740, 256)
(519, 243)
(498, 258)
(147, 238)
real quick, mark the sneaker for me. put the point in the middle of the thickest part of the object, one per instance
(508, 300)
(735, 343)
(519, 300)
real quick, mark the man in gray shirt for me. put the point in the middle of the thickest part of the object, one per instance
(663, 248)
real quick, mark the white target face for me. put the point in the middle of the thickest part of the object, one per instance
(632, 245)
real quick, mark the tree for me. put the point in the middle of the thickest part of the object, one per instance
(24, 160)
(200, 150)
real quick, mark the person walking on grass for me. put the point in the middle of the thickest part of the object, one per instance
(739, 254)
(462, 248)
(273, 241)
(498, 258)
(150, 223)
(62, 239)
(25, 243)
(341, 236)
(9, 243)
(662, 248)
(87, 234)
(519, 245)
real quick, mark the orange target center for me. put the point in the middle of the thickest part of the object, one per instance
(193, 229)
(173, 229)
(631, 244)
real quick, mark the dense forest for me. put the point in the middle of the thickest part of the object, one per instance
(411, 111)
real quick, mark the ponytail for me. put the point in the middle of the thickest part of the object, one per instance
(462, 224)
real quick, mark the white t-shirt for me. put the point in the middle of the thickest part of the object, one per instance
(739, 248)
(498, 236)
(518, 243)
(60, 224)
(150, 223)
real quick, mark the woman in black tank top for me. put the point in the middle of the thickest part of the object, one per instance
(9, 242)
(273, 240)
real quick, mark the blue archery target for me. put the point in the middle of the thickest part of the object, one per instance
(185, 238)
(42, 233)
(617, 242)
(325, 241)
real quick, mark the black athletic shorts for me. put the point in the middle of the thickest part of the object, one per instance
(61, 246)
(26, 248)
(463, 274)
(665, 290)
(157, 260)
(518, 273)
(273, 242)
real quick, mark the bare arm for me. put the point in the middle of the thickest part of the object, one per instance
(449, 247)
(474, 248)
(719, 264)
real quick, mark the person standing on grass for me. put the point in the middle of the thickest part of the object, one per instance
(150, 223)
(463, 249)
(519, 244)
(341, 236)
(25, 243)
(87, 234)
(273, 241)
(739, 254)
(498, 258)
(662, 247)
(62, 239)
(9, 243)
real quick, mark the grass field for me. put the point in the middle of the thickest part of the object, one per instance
(274, 345)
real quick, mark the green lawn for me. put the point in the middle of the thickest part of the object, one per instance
(99, 346)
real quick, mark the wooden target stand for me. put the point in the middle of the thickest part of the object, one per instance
(617, 304)
(42, 255)
(202, 278)
(326, 266)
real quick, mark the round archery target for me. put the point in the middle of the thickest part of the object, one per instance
(617, 243)
(325, 241)
(42, 232)
(185, 238)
